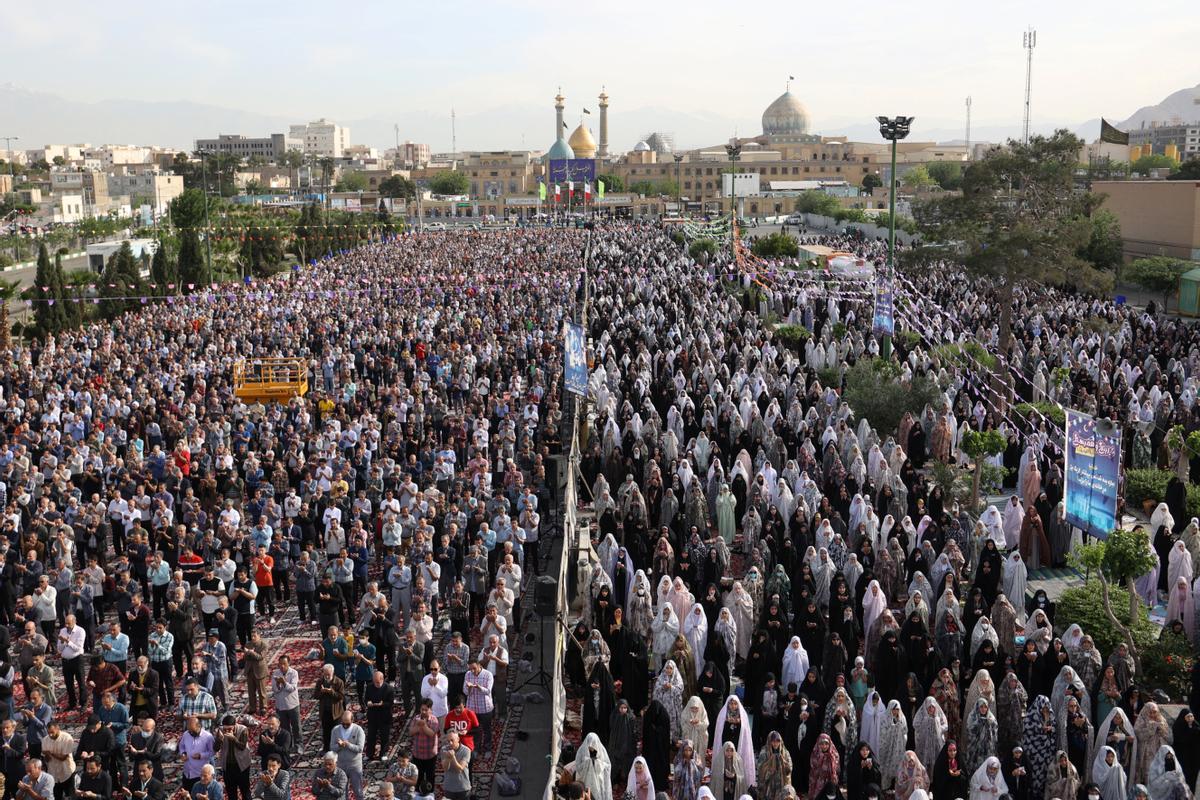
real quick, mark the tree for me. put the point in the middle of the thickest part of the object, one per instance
(8, 290)
(449, 182)
(917, 178)
(351, 182)
(187, 215)
(875, 390)
(612, 183)
(1120, 558)
(702, 250)
(59, 161)
(1153, 161)
(817, 202)
(49, 312)
(1188, 171)
(946, 174)
(254, 186)
(162, 272)
(1018, 220)
(397, 186)
(776, 245)
(979, 445)
(871, 182)
(261, 251)
(119, 281)
(1157, 274)
(1104, 247)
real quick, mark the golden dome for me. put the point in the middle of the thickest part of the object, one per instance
(582, 143)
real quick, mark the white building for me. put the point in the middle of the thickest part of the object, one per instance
(322, 138)
(67, 208)
(155, 189)
(110, 155)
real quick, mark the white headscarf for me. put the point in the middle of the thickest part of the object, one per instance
(874, 604)
(795, 663)
(872, 718)
(984, 786)
(695, 630)
(630, 786)
(594, 773)
(1110, 778)
(745, 743)
(697, 733)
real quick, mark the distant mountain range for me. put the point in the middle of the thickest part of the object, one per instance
(44, 118)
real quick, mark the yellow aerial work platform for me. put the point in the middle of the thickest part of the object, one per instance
(270, 378)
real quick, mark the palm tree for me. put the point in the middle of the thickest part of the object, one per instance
(8, 290)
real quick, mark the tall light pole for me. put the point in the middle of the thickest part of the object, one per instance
(8, 140)
(893, 130)
(1028, 41)
(207, 227)
(735, 152)
(678, 186)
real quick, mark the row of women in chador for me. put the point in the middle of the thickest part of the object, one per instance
(781, 599)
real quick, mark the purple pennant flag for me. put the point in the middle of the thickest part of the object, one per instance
(29, 304)
(51, 301)
(95, 301)
(143, 299)
(45, 288)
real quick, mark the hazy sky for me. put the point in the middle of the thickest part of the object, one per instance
(851, 60)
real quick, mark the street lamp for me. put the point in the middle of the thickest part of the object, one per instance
(678, 185)
(893, 130)
(207, 227)
(735, 152)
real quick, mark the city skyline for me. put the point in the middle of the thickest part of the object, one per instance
(499, 65)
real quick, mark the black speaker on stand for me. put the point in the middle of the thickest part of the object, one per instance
(545, 606)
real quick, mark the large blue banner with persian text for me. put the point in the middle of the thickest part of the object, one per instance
(1093, 472)
(576, 369)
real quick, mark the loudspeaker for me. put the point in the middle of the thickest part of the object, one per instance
(545, 595)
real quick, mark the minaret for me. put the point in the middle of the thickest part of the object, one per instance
(558, 115)
(603, 151)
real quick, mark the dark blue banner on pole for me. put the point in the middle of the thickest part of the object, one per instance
(1093, 472)
(884, 323)
(576, 370)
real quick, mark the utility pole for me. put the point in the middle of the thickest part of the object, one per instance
(8, 140)
(968, 127)
(396, 126)
(1028, 41)
(453, 139)
(207, 227)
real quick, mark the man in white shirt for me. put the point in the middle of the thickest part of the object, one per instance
(71, 642)
(436, 688)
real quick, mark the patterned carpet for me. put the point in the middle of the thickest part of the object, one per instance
(300, 641)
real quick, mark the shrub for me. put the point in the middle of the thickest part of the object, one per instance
(1049, 410)
(702, 249)
(793, 336)
(874, 391)
(907, 339)
(776, 245)
(1192, 504)
(965, 356)
(1085, 605)
(1167, 664)
(830, 376)
(1147, 484)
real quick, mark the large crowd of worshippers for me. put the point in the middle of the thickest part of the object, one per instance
(781, 604)
(206, 597)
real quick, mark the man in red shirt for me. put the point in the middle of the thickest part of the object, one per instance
(462, 721)
(265, 581)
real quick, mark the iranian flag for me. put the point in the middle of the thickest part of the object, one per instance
(557, 193)
(587, 191)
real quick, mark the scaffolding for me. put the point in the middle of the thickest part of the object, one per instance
(270, 378)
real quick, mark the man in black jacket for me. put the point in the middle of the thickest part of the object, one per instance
(275, 742)
(144, 785)
(380, 700)
(14, 757)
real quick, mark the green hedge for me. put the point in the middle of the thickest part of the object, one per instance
(1167, 664)
(793, 336)
(1145, 484)
(1050, 410)
(1084, 605)
(966, 355)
